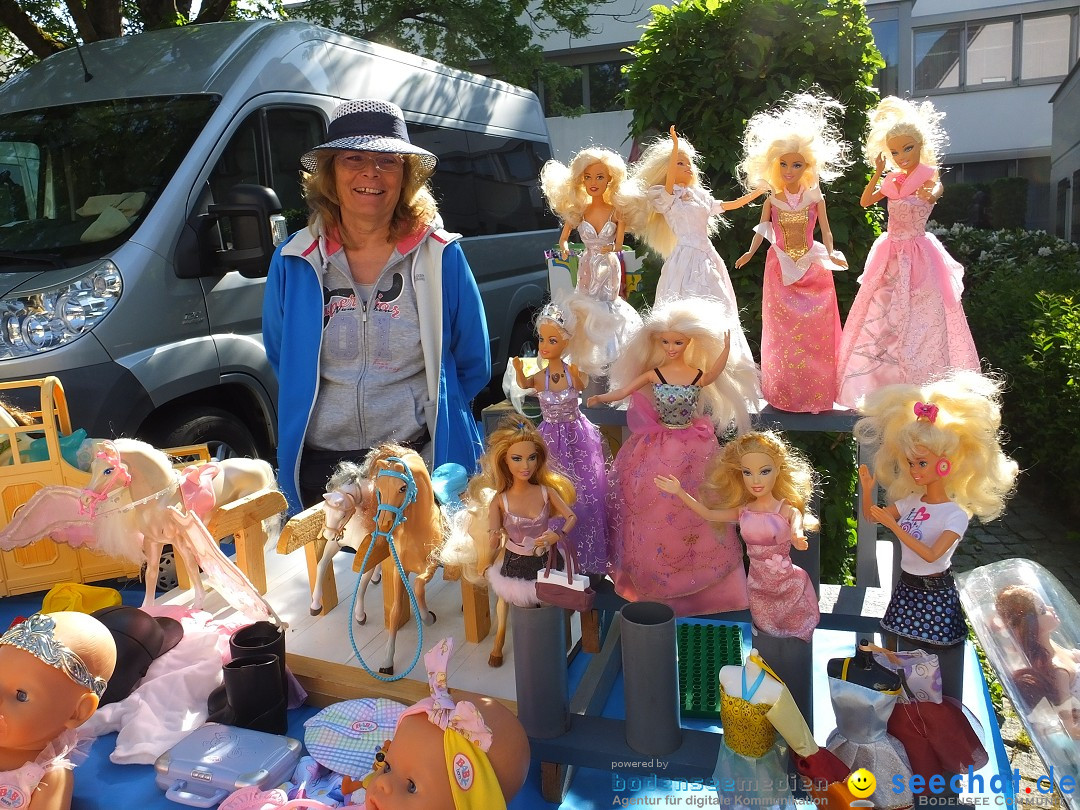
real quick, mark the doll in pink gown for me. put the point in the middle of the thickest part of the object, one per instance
(675, 214)
(790, 149)
(583, 195)
(764, 484)
(907, 324)
(675, 373)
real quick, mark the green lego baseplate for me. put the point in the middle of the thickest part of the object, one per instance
(703, 649)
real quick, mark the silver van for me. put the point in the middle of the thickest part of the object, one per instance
(137, 180)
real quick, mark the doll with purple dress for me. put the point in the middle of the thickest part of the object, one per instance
(907, 324)
(790, 149)
(574, 443)
(675, 373)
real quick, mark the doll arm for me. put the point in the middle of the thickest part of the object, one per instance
(741, 201)
(575, 375)
(519, 370)
(871, 194)
(54, 791)
(670, 484)
(669, 179)
(931, 190)
(614, 396)
(620, 234)
(564, 237)
(929, 553)
(552, 536)
(826, 235)
(495, 527)
(717, 368)
(866, 479)
(755, 243)
(798, 536)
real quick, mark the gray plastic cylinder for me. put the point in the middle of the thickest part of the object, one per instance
(543, 695)
(650, 678)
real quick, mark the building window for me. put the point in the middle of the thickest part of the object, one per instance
(1074, 225)
(1061, 211)
(606, 83)
(977, 54)
(887, 39)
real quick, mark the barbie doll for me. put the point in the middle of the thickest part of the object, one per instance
(675, 371)
(907, 324)
(679, 215)
(765, 485)
(54, 669)
(575, 444)
(790, 149)
(583, 196)
(936, 450)
(513, 501)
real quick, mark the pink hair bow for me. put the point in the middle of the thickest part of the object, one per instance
(927, 411)
(463, 717)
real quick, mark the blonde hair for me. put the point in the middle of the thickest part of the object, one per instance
(966, 431)
(723, 487)
(703, 321)
(415, 209)
(651, 170)
(797, 124)
(564, 188)
(893, 117)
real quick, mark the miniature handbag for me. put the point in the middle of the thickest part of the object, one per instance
(570, 590)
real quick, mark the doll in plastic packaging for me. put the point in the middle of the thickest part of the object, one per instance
(765, 485)
(936, 450)
(907, 324)
(676, 373)
(54, 668)
(450, 755)
(583, 195)
(672, 210)
(791, 149)
(575, 443)
(516, 502)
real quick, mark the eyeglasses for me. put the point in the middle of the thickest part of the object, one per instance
(358, 161)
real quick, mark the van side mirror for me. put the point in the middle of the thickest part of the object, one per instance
(253, 215)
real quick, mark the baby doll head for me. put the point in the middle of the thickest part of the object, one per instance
(54, 668)
(796, 139)
(448, 755)
(568, 188)
(906, 133)
(792, 478)
(956, 423)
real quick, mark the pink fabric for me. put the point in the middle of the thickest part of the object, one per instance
(462, 716)
(662, 551)
(907, 324)
(800, 331)
(782, 598)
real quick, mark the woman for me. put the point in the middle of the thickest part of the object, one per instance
(372, 319)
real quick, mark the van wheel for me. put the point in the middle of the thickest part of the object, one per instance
(221, 431)
(522, 340)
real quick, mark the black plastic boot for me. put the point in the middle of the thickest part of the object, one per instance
(255, 697)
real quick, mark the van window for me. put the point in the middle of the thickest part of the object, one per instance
(76, 178)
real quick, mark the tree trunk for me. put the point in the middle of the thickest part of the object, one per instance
(26, 31)
(105, 15)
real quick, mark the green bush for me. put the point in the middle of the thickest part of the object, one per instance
(955, 204)
(1023, 305)
(1008, 202)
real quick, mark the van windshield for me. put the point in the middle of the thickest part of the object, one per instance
(76, 179)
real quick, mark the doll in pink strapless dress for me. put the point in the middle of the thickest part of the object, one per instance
(907, 324)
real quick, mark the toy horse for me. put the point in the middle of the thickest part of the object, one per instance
(135, 503)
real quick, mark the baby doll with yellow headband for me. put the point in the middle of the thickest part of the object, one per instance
(450, 755)
(54, 668)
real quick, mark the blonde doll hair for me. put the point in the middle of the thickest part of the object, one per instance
(651, 170)
(798, 124)
(966, 431)
(702, 320)
(564, 188)
(723, 487)
(896, 116)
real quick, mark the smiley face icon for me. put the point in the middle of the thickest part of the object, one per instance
(861, 783)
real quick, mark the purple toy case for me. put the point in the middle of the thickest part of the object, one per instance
(214, 760)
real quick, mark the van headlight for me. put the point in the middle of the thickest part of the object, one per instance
(30, 324)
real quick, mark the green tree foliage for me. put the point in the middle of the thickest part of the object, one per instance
(707, 66)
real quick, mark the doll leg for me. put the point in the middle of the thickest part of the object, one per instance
(325, 561)
(502, 610)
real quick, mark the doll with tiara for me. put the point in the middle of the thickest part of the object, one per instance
(936, 450)
(675, 372)
(907, 324)
(54, 668)
(575, 443)
(677, 215)
(516, 503)
(764, 484)
(790, 149)
(583, 195)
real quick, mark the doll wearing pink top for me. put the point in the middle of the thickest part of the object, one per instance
(907, 324)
